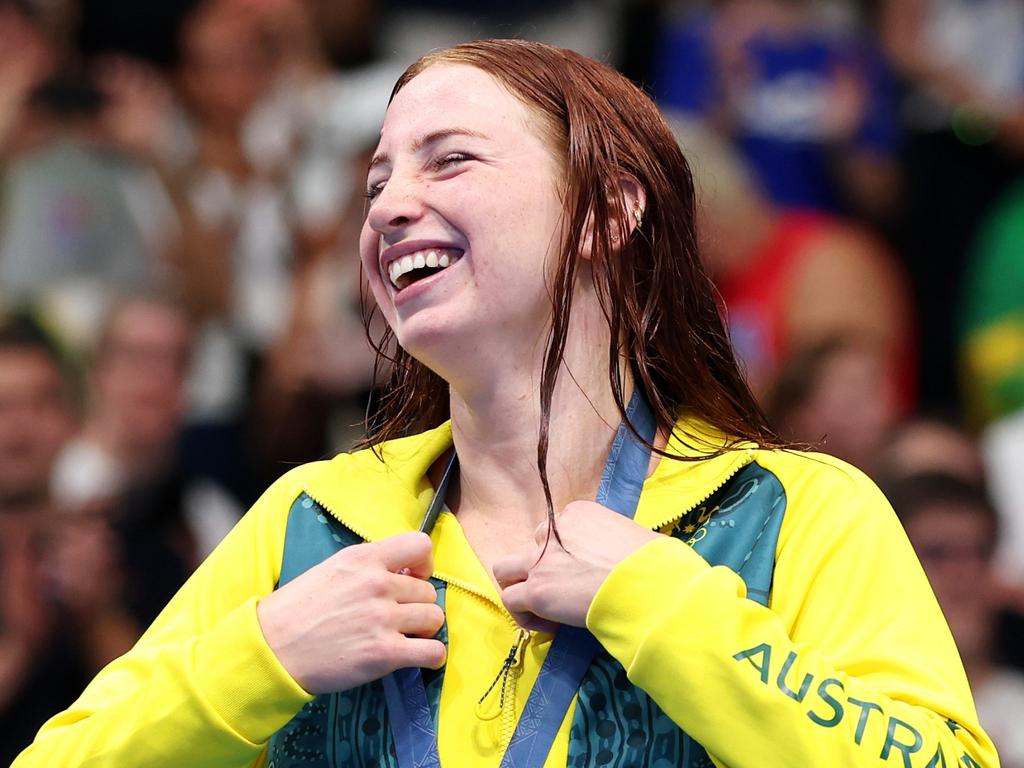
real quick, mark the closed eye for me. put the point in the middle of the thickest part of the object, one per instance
(373, 190)
(440, 163)
(449, 159)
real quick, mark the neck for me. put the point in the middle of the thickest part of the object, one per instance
(496, 422)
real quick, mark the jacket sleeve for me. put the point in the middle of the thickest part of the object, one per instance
(201, 687)
(851, 665)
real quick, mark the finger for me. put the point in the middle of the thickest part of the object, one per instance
(422, 652)
(412, 551)
(410, 589)
(534, 623)
(516, 598)
(512, 569)
(517, 602)
(419, 619)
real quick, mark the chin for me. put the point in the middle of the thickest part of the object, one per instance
(430, 343)
(454, 351)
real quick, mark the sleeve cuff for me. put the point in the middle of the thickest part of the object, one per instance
(640, 594)
(242, 678)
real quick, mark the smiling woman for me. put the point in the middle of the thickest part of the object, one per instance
(623, 567)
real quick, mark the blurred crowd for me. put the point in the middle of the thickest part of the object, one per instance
(181, 309)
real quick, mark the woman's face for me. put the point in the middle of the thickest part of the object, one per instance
(464, 215)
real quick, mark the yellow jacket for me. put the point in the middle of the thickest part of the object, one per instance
(852, 663)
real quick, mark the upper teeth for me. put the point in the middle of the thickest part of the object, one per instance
(433, 257)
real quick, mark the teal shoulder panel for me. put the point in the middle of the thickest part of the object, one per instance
(311, 536)
(349, 728)
(739, 528)
(617, 724)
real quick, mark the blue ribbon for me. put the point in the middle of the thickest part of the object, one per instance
(571, 652)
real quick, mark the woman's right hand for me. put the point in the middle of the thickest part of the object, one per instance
(357, 616)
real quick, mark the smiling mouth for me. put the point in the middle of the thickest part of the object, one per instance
(421, 264)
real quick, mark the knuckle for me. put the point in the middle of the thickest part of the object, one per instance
(357, 553)
(538, 595)
(379, 615)
(393, 650)
(375, 583)
(575, 510)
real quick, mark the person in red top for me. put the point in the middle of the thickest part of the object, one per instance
(791, 279)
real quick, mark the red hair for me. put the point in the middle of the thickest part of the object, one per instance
(659, 302)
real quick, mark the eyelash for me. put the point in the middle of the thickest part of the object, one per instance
(437, 164)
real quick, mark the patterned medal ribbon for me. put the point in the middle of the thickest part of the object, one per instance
(572, 650)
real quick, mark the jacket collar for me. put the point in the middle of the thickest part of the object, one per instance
(376, 499)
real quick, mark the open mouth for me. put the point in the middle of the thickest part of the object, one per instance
(416, 266)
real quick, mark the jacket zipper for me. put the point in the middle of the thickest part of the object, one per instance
(506, 682)
(676, 517)
(507, 679)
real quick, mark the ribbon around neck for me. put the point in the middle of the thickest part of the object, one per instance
(572, 650)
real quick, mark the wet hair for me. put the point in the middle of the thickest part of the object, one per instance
(663, 317)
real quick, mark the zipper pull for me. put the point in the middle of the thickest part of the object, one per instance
(513, 660)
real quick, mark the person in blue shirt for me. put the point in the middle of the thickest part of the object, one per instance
(807, 103)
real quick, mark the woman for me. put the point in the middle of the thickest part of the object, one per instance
(529, 239)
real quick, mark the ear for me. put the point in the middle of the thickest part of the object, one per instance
(627, 216)
(634, 204)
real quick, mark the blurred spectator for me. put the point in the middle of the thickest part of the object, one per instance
(992, 333)
(806, 100)
(953, 529)
(836, 395)
(311, 396)
(241, 276)
(83, 211)
(25, 60)
(923, 445)
(126, 454)
(962, 62)
(264, 156)
(992, 357)
(410, 27)
(36, 413)
(40, 669)
(792, 279)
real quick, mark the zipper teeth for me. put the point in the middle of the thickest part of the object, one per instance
(507, 724)
(747, 460)
(361, 534)
(508, 713)
(508, 709)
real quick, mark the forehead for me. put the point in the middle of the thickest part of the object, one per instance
(939, 519)
(142, 319)
(27, 367)
(446, 95)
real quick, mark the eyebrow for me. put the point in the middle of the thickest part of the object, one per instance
(431, 138)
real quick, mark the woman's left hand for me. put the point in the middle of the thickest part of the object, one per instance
(556, 584)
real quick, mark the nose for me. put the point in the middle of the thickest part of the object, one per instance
(397, 205)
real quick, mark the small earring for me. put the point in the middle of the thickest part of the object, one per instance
(638, 214)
